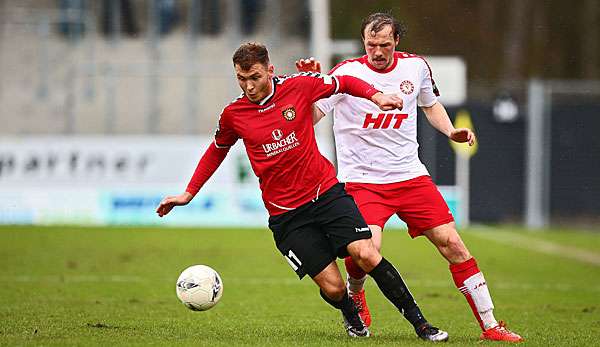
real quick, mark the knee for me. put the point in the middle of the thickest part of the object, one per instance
(456, 251)
(449, 243)
(366, 255)
(377, 245)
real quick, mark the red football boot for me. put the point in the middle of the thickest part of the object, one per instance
(500, 333)
(361, 303)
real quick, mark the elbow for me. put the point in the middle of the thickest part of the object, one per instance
(430, 107)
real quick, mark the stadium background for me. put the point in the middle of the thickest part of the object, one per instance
(100, 69)
(106, 106)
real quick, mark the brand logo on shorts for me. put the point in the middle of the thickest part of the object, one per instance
(360, 230)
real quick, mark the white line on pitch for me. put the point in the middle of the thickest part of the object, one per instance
(541, 246)
(262, 281)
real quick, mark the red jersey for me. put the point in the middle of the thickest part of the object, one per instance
(280, 140)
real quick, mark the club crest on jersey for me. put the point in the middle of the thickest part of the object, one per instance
(407, 87)
(289, 112)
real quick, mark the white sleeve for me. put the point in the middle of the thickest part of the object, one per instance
(428, 93)
(326, 105)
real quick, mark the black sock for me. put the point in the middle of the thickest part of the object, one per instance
(345, 305)
(393, 287)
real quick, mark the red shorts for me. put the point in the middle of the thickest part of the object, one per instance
(417, 202)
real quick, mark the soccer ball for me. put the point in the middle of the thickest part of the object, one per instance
(199, 287)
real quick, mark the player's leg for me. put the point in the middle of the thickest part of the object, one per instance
(330, 282)
(392, 285)
(376, 213)
(426, 213)
(356, 275)
(307, 251)
(469, 280)
(349, 235)
(467, 277)
(333, 291)
(448, 242)
(356, 278)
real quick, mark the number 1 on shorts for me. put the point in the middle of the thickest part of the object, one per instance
(293, 260)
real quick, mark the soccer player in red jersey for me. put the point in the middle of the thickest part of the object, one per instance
(378, 159)
(312, 218)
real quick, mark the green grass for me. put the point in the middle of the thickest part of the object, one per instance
(116, 286)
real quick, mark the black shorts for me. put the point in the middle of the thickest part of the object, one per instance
(313, 235)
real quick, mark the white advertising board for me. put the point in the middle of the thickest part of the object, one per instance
(121, 180)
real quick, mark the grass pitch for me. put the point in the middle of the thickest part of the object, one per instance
(116, 286)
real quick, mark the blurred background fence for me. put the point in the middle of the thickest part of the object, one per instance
(126, 66)
(84, 83)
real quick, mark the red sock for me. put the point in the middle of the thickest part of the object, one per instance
(354, 270)
(461, 272)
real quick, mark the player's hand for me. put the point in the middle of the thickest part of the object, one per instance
(167, 204)
(463, 135)
(308, 65)
(387, 102)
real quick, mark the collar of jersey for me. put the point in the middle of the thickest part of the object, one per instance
(270, 96)
(388, 69)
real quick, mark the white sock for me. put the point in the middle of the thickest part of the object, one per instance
(355, 285)
(488, 319)
(480, 294)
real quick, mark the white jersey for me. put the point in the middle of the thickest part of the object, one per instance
(374, 146)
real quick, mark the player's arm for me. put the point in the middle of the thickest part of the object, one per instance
(225, 137)
(356, 87)
(436, 112)
(317, 114)
(438, 118)
(350, 85)
(311, 65)
(208, 164)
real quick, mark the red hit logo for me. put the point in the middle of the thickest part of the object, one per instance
(383, 120)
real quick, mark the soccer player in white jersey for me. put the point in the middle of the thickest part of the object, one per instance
(378, 160)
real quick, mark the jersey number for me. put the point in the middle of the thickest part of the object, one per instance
(293, 260)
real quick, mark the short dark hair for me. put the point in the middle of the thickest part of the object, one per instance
(249, 54)
(379, 20)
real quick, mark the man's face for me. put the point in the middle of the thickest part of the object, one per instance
(380, 46)
(255, 82)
